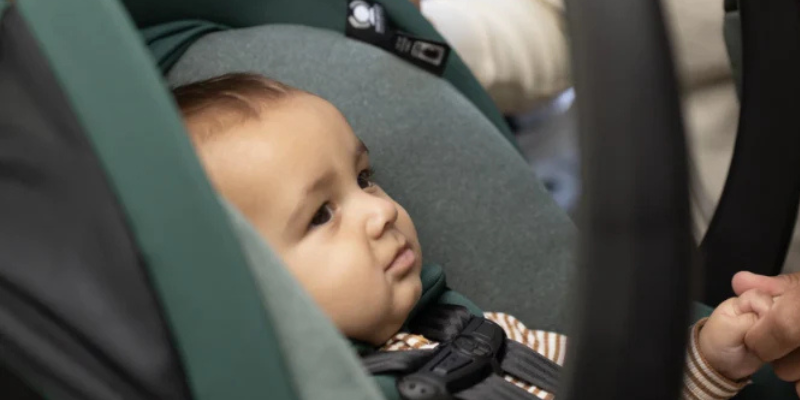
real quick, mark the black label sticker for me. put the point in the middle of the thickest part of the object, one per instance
(367, 22)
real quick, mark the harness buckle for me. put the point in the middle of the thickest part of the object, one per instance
(457, 364)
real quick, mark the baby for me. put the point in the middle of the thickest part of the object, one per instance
(290, 162)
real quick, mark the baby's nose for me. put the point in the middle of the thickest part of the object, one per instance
(381, 215)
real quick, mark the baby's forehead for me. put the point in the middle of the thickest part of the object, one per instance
(308, 134)
(309, 118)
(301, 133)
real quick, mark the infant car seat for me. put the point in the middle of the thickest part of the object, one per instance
(122, 274)
(117, 287)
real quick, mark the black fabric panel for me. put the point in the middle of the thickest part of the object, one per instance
(14, 388)
(753, 223)
(77, 315)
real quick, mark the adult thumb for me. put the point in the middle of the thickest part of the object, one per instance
(772, 285)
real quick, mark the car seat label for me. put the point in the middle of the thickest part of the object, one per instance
(367, 22)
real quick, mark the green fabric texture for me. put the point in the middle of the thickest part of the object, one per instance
(168, 41)
(766, 384)
(162, 16)
(320, 361)
(210, 300)
(409, 19)
(387, 385)
(436, 291)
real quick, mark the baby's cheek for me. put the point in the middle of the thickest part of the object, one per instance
(415, 292)
(356, 286)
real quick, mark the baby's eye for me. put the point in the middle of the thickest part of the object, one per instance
(365, 178)
(322, 215)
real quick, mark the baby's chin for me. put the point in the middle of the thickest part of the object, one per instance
(405, 300)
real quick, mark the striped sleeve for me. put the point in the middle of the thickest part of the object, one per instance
(549, 344)
(405, 341)
(700, 381)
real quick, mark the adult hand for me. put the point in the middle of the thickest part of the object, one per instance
(775, 338)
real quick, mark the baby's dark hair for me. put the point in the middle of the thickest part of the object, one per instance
(218, 103)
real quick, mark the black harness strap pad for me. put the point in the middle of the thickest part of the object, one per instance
(442, 322)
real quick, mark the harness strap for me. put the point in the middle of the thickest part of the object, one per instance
(530, 366)
(494, 388)
(394, 362)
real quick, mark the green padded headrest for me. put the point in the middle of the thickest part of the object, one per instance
(170, 26)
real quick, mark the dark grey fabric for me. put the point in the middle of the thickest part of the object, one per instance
(77, 317)
(14, 387)
(479, 211)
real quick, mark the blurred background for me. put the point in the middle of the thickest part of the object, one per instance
(519, 51)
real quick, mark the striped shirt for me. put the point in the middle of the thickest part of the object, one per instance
(700, 381)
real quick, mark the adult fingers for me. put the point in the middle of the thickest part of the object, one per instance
(754, 301)
(772, 285)
(777, 333)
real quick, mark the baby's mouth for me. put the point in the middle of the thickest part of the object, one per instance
(403, 261)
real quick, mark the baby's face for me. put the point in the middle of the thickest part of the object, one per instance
(301, 176)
